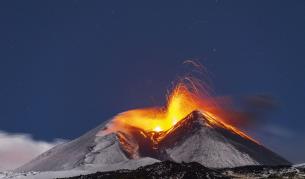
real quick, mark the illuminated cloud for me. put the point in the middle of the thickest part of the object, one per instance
(17, 149)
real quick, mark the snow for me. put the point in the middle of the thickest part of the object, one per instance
(88, 169)
(194, 139)
(216, 153)
(198, 140)
(301, 165)
(65, 156)
(106, 151)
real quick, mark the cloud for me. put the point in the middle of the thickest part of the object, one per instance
(278, 131)
(17, 149)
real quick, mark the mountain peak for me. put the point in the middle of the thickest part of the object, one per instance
(196, 113)
(192, 121)
(196, 138)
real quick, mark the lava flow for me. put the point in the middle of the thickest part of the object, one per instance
(188, 95)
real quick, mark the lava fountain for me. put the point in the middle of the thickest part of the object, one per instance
(188, 95)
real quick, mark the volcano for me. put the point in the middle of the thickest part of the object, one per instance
(195, 138)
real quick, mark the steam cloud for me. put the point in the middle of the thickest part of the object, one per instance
(249, 111)
(17, 149)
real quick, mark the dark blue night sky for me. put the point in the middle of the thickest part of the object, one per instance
(67, 66)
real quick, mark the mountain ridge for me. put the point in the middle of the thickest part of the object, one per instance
(193, 139)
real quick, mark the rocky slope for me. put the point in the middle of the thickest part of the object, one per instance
(193, 139)
(167, 169)
(164, 170)
(197, 139)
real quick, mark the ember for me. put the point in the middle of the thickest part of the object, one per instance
(188, 95)
(160, 120)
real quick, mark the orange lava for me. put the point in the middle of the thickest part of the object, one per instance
(188, 95)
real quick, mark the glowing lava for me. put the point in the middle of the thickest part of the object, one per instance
(188, 95)
(158, 129)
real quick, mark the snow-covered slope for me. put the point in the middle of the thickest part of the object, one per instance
(197, 139)
(64, 156)
(88, 152)
(130, 165)
(194, 138)
(301, 165)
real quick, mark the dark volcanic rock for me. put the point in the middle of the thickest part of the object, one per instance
(193, 170)
(164, 170)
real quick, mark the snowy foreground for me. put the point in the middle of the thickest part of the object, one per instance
(168, 169)
(302, 165)
(131, 164)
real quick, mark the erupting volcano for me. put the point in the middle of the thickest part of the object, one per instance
(192, 126)
(187, 96)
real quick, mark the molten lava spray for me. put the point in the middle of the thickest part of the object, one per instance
(188, 94)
